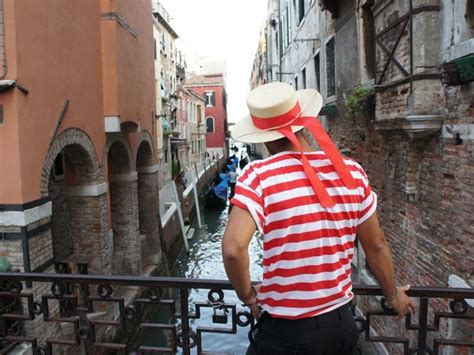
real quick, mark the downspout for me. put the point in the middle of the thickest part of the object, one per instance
(4, 47)
(279, 40)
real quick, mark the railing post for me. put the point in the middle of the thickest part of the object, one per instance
(423, 325)
(184, 294)
(196, 197)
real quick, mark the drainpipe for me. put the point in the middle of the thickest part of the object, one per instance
(279, 39)
(4, 49)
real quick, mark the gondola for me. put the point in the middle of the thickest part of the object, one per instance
(216, 193)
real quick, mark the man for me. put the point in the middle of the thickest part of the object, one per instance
(232, 181)
(309, 206)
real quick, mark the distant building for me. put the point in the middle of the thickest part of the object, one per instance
(259, 74)
(212, 88)
(192, 134)
(168, 85)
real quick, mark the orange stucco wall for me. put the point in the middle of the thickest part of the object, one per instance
(62, 50)
(136, 63)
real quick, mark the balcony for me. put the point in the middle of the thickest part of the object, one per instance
(98, 310)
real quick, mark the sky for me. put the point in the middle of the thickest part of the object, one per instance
(221, 30)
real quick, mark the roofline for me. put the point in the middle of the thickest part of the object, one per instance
(165, 23)
(203, 84)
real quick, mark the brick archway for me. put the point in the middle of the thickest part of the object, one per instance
(148, 157)
(118, 150)
(80, 146)
(73, 179)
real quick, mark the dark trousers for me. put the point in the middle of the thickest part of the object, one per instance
(232, 189)
(333, 333)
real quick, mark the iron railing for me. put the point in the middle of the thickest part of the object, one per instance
(109, 297)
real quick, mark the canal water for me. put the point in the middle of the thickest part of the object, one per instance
(204, 261)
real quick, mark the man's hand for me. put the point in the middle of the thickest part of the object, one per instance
(252, 303)
(379, 259)
(401, 303)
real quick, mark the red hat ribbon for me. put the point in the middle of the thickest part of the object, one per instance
(284, 123)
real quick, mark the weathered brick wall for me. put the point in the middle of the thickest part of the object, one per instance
(60, 226)
(148, 204)
(89, 226)
(41, 249)
(124, 207)
(431, 236)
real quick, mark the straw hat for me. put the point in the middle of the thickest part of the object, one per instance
(273, 106)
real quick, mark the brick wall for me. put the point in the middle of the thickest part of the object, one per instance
(430, 234)
(124, 208)
(148, 203)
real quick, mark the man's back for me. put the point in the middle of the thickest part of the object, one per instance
(307, 248)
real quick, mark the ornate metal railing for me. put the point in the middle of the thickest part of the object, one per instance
(99, 310)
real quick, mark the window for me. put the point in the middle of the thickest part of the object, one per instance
(369, 40)
(303, 78)
(210, 98)
(1, 114)
(286, 23)
(317, 66)
(300, 11)
(296, 83)
(330, 68)
(154, 48)
(210, 125)
(163, 42)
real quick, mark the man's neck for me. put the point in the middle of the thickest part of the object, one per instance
(303, 143)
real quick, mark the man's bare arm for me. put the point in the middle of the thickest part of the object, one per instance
(238, 234)
(380, 261)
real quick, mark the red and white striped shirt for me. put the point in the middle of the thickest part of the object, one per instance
(307, 248)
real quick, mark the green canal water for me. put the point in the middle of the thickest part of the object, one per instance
(204, 261)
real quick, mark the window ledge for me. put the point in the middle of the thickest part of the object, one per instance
(458, 51)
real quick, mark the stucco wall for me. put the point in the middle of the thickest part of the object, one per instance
(64, 50)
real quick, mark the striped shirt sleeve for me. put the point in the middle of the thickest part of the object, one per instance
(248, 196)
(368, 205)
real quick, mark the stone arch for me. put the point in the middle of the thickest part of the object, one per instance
(145, 150)
(118, 152)
(74, 182)
(80, 146)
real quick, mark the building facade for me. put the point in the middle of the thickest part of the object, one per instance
(396, 78)
(191, 139)
(259, 75)
(212, 88)
(168, 86)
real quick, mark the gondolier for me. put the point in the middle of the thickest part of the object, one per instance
(309, 206)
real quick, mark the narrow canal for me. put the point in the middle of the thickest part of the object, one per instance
(205, 261)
